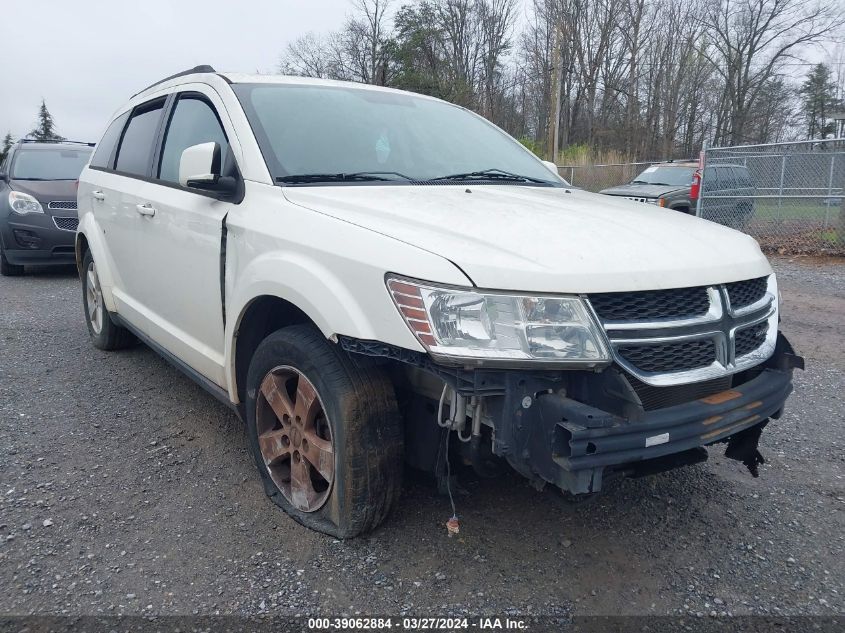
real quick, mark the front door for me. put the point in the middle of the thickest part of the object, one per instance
(180, 236)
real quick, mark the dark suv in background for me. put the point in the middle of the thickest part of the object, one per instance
(728, 190)
(38, 220)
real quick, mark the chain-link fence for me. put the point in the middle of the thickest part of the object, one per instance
(790, 196)
(597, 177)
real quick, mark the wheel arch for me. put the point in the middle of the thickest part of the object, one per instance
(259, 318)
(89, 238)
(81, 247)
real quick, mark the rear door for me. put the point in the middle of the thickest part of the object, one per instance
(113, 198)
(178, 238)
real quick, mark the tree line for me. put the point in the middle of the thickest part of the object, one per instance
(642, 78)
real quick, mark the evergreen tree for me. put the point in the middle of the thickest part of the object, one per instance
(818, 94)
(46, 128)
(6, 146)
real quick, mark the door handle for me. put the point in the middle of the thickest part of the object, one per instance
(145, 209)
(98, 195)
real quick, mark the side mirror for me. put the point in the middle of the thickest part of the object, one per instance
(4, 176)
(200, 167)
(551, 167)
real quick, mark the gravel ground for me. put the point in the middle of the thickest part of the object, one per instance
(125, 489)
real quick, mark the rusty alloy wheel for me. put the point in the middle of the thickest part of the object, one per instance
(295, 438)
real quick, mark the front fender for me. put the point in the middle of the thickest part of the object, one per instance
(356, 305)
(331, 269)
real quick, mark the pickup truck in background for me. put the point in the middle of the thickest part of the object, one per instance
(728, 190)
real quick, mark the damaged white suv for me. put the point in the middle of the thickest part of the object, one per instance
(363, 274)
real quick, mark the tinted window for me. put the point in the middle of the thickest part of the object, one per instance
(193, 122)
(105, 148)
(330, 130)
(49, 164)
(136, 147)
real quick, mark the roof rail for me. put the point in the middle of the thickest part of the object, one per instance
(54, 140)
(203, 68)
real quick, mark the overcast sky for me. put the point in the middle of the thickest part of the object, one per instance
(87, 57)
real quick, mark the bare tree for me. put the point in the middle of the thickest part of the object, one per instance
(365, 40)
(645, 79)
(752, 39)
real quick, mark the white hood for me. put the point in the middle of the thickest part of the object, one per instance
(545, 239)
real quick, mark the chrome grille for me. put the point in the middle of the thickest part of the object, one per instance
(66, 224)
(62, 204)
(745, 293)
(751, 338)
(641, 199)
(669, 356)
(687, 335)
(651, 304)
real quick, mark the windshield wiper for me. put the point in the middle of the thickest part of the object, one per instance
(296, 179)
(491, 174)
(359, 176)
(640, 182)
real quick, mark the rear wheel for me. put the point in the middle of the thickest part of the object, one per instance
(105, 333)
(7, 269)
(325, 433)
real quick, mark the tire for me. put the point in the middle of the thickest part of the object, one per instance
(105, 333)
(347, 484)
(7, 269)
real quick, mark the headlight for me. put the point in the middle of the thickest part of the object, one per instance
(463, 325)
(23, 203)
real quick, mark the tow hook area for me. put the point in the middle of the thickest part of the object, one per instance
(743, 448)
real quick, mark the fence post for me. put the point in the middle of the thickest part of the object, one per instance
(780, 187)
(572, 176)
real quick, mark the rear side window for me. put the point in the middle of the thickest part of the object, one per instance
(136, 146)
(193, 122)
(104, 153)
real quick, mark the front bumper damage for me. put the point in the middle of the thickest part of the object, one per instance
(571, 429)
(568, 443)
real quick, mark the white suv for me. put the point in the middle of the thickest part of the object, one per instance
(362, 273)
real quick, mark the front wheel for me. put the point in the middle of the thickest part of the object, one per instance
(325, 433)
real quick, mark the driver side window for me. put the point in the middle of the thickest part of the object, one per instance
(193, 122)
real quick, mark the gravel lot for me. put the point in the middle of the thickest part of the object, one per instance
(124, 488)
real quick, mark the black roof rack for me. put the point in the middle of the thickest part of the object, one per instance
(55, 140)
(203, 68)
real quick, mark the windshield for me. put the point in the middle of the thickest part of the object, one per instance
(664, 175)
(49, 164)
(317, 134)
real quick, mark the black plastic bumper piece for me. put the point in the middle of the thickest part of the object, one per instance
(571, 444)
